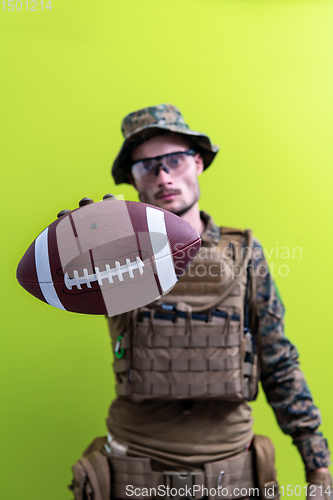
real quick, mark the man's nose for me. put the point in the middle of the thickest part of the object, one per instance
(163, 167)
(163, 175)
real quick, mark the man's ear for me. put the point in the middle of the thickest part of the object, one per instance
(199, 163)
(131, 180)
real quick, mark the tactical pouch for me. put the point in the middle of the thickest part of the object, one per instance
(266, 473)
(320, 487)
(92, 475)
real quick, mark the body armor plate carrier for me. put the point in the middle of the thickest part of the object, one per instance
(197, 344)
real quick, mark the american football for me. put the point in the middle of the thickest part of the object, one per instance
(108, 257)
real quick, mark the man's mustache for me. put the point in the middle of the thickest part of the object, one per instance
(163, 192)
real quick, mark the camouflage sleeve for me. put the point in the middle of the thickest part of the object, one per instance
(282, 380)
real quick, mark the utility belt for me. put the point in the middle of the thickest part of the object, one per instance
(134, 477)
(102, 475)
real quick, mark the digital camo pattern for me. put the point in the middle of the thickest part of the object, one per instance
(282, 380)
(152, 115)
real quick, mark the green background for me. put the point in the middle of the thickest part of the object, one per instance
(257, 76)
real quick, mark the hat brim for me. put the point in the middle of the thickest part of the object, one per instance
(200, 143)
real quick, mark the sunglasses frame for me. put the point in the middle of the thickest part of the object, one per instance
(188, 152)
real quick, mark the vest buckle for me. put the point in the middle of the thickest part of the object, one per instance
(182, 482)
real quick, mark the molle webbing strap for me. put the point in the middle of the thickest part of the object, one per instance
(185, 365)
(125, 342)
(181, 390)
(121, 365)
(249, 356)
(173, 312)
(231, 473)
(252, 305)
(194, 340)
(178, 365)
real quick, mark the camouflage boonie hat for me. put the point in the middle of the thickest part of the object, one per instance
(146, 123)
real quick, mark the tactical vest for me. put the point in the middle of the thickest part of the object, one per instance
(197, 344)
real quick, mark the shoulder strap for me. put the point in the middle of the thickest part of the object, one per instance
(230, 230)
(228, 290)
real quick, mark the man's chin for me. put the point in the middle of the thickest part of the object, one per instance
(175, 208)
(170, 205)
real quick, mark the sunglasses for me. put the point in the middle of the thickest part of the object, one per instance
(173, 163)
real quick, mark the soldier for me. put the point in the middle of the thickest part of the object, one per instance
(186, 365)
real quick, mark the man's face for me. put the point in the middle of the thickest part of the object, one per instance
(173, 191)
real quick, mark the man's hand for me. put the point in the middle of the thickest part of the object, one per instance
(83, 202)
(320, 484)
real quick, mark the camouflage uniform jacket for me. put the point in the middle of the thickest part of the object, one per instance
(282, 380)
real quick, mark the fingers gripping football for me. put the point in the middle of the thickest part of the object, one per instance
(85, 201)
